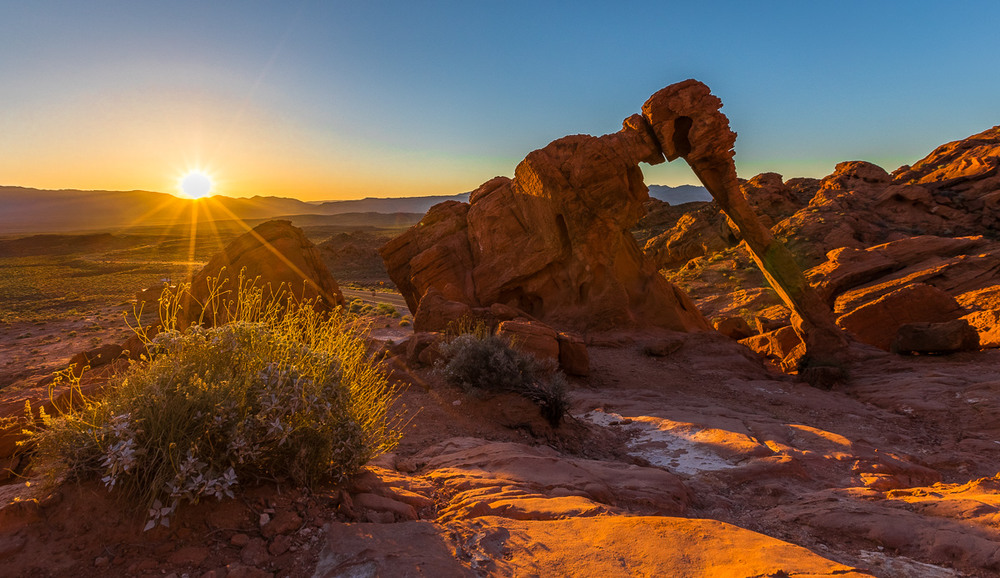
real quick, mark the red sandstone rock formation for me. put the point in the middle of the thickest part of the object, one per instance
(553, 242)
(699, 232)
(947, 337)
(848, 268)
(774, 200)
(964, 173)
(954, 191)
(867, 233)
(877, 322)
(704, 229)
(940, 270)
(275, 254)
(733, 327)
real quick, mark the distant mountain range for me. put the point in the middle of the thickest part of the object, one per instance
(24, 210)
(679, 195)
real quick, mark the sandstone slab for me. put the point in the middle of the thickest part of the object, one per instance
(478, 472)
(877, 322)
(947, 337)
(636, 546)
(531, 337)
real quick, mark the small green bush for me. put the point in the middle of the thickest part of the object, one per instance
(482, 362)
(387, 309)
(359, 307)
(281, 392)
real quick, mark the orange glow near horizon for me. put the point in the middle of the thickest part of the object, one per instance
(149, 142)
(209, 211)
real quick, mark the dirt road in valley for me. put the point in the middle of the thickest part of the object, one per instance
(394, 299)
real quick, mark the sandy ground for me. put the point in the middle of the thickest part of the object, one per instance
(701, 463)
(31, 351)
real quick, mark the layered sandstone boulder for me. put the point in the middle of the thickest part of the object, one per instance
(552, 243)
(947, 337)
(733, 327)
(941, 278)
(700, 232)
(878, 321)
(847, 268)
(776, 345)
(276, 257)
(530, 336)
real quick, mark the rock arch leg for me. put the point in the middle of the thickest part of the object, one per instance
(688, 124)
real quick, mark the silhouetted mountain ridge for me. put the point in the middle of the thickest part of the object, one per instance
(26, 210)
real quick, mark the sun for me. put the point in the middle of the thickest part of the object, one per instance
(196, 184)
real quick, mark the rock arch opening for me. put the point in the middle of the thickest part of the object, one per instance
(681, 142)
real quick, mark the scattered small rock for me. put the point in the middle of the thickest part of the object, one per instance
(255, 552)
(279, 545)
(284, 522)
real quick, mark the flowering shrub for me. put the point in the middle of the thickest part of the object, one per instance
(289, 394)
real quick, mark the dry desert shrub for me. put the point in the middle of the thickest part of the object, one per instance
(480, 362)
(280, 392)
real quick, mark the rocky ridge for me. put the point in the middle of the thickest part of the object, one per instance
(919, 245)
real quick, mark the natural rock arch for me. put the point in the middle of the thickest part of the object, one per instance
(554, 241)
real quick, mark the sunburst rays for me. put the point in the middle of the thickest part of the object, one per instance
(201, 218)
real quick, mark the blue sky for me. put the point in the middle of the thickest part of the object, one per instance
(326, 100)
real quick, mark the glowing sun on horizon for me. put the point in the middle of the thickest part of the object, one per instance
(196, 184)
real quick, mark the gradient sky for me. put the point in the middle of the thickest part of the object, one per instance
(329, 100)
